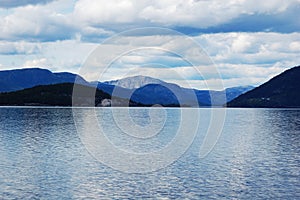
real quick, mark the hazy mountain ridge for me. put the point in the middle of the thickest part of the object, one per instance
(135, 82)
(150, 91)
(155, 91)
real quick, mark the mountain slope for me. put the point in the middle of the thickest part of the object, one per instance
(174, 95)
(282, 91)
(148, 90)
(60, 95)
(13, 80)
(233, 92)
(159, 94)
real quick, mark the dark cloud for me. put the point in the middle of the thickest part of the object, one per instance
(285, 22)
(17, 3)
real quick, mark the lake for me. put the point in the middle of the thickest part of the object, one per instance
(57, 153)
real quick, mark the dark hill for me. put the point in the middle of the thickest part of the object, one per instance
(57, 95)
(282, 91)
(18, 79)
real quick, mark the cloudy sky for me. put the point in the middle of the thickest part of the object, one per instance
(242, 42)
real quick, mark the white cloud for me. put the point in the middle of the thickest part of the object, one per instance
(66, 55)
(269, 54)
(102, 11)
(64, 19)
(60, 35)
(242, 43)
(295, 46)
(41, 63)
(22, 47)
(266, 55)
(202, 14)
(268, 6)
(261, 48)
(39, 22)
(16, 3)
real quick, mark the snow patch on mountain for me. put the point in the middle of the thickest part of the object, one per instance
(135, 82)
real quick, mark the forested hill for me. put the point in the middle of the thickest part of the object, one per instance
(282, 91)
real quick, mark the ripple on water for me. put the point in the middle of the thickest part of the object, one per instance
(257, 156)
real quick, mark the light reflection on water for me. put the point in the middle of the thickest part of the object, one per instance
(257, 156)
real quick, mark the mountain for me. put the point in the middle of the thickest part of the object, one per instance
(61, 95)
(13, 80)
(166, 95)
(148, 90)
(135, 82)
(141, 89)
(112, 89)
(173, 95)
(233, 92)
(282, 91)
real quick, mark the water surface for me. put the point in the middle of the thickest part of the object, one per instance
(256, 156)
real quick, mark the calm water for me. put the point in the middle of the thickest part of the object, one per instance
(42, 156)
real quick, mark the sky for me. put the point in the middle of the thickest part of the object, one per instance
(194, 43)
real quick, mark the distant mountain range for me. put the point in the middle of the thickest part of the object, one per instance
(42, 87)
(148, 90)
(282, 91)
(141, 90)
